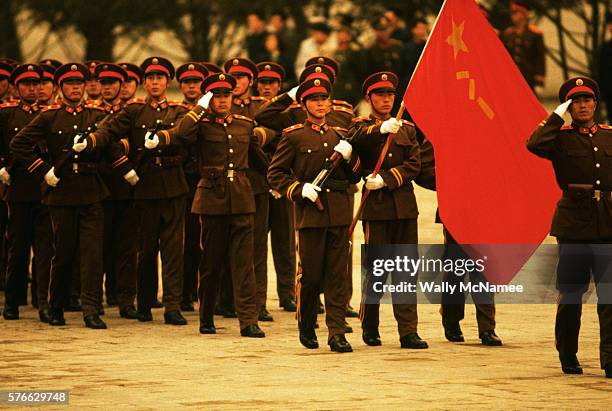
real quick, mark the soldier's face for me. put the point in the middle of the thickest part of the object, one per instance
(128, 89)
(582, 109)
(242, 85)
(47, 90)
(93, 88)
(268, 88)
(4, 83)
(73, 90)
(110, 89)
(28, 90)
(221, 103)
(191, 88)
(317, 107)
(382, 103)
(518, 18)
(156, 85)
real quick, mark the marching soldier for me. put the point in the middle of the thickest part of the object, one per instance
(48, 88)
(28, 223)
(244, 71)
(93, 88)
(5, 74)
(75, 194)
(159, 188)
(280, 221)
(580, 154)
(190, 77)
(226, 147)
(525, 43)
(120, 240)
(390, 212)
(130, 85)
(323, 242)
(334, 66)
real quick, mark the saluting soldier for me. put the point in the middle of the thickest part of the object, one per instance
(159, 188)
(323, 241)
(226, 147)
(280, 221)
(580, 154)
(525, 43)
(190, 77)
(29, 225)
(76, 191)
(390, 212)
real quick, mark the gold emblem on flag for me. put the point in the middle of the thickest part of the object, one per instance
(455, 40)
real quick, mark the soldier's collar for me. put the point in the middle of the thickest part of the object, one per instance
(73, 109)
(242, 102)
(221, 120)
(190, 104)
(318, 128)
(377, 119)
(108, 107)
(155, 104)
(586, 130)
(29, 108)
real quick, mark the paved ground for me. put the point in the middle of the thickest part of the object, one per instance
(154, 366)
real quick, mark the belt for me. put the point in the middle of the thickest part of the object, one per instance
(166, 161)
(85, 168)
(336, 185)
(579, 193)
(214, 173)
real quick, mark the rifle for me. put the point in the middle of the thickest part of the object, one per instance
(328, 167)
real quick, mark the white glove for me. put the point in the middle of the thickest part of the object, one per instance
(562, 108)
(291, 93)
(151, 140)
(374, 183)
(309, 191)
(344, 148)
(204, 101)
(50, 178)
(78, 147)
(5, 177)
(131, 177)
(390, 126)
(273, 193)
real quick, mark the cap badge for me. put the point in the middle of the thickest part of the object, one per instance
(320, 59)
(317, 82)
(579, 82)
(267, 67)
(235, 62)
(221, 77)
(384, 77)
(73, 67)
(155, 60)
(191, 67)
(317, 69)
(30, 68)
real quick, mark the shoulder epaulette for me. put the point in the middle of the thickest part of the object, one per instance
(93, 102)
(245, 118)
(135, 101)
(52, 107)
(535, 29)
(509, 30)
(176, 103)
(342, 108)
(605, 126)
(9, 104)
(293, 127)
(360, 118)
(295, 105)
(342, 103)
(407, 122)
(567, 127)
(258, 98)
(95, 107)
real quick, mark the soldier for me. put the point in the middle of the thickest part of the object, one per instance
(525, 43)
(28, 223)
(390, 213)
(226, 147)
(93, 88)
(75, 194)
(323, 242)
(159, 188)
(190, 77)
(385, 54)
(244, 71)
(130, 85)
(48, 88)
(580, 154)
(212, 68)
(5, 74)
(280, 221)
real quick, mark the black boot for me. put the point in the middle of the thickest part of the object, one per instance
(264, 315)
(129, 312)
(145, 316)
(56, 316)
(308, 338)
(11, 312)
(174, 318)
(252, 331)
(207, 328)
(288, 305)
(44, 315)
(94, 321)
(371, 338)
(570, 365)
(413, 341)
(453, 333)
(339, 344)
(490, 338)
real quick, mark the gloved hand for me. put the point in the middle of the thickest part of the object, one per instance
(204, 101)
(78, 147)
(292, 93)
(5, 177)
(275, 194)
(374, 183)
(344, 148)
(50, 178)
(310, 191)
(562, 108)
(131, 177)
(151, 140)
(391, 125)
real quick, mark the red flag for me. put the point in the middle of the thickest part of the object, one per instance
(473, 104)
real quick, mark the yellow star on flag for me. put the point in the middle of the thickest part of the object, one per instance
(455, 40)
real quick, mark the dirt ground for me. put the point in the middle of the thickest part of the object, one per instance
(155, 366)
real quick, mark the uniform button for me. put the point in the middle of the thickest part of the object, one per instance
(231, 178)
(326, 158)
(76, 156)
(224, 124)
(74, 113)
(16, 129)
(597, 165)
(75, 126)
(321, 132)
(231, 150)
(598, 182)
(59, 132)
(231, 165)
(309, 150)
(229, 136)
(390, 154)
(590, 134)
(144, 126)
(171, 124)
(595, 149)
(325, 144)
(327, 190)
(158, 109)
